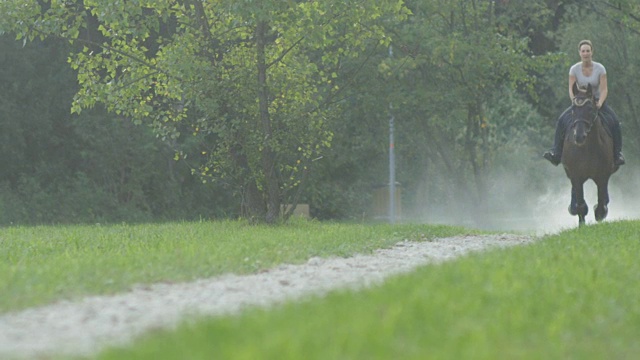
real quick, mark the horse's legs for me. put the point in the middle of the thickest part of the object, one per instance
(573, 205)
(581, 208)
(601, 209)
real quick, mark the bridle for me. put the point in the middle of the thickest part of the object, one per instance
(579, 102)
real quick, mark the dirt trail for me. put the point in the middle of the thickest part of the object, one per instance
(93, 323)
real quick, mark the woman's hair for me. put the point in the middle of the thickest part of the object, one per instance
(585, 42)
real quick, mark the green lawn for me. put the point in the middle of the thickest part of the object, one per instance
(574, 295)
(39, 265)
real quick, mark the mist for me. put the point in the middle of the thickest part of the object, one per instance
(513, 204)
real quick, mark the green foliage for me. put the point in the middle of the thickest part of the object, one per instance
(613, 29)
(566, 296)
(289, 102)
(63, 168)
(39, 265)
(459, 83)
(450, 66)
(344, 179)
(259, 77)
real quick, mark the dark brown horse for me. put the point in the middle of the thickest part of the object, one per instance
(587, 154)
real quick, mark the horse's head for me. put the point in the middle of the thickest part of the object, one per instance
(583, 113)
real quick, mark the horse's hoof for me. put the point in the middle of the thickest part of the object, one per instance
(601, 213)
(580, 210)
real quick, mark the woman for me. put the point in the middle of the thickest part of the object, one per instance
(583, 73)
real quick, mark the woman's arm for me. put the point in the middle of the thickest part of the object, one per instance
(572, 80)
(604, 90)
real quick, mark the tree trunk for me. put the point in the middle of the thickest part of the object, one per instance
(271, 185)
(477, 151)
(252, 205)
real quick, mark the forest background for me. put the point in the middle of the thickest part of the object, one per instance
(232, 109)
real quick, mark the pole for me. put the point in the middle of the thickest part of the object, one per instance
(392, 162)
(392, 172)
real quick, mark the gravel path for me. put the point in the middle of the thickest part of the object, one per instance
(89, 325)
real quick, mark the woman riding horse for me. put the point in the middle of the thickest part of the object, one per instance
(584, 73)
(588, 154)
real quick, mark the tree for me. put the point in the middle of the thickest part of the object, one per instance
(475, 48)
(614, 28)
(256, 81)
(59, 167)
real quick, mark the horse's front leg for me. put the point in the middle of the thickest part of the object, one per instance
(578, 205)
(573, 205)
(601, 210)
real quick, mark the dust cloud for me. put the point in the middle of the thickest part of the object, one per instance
(514, 204)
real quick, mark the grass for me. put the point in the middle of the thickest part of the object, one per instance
(574, 295)
(39, 265)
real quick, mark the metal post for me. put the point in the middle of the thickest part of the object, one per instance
(392, 172)
(392, 162)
